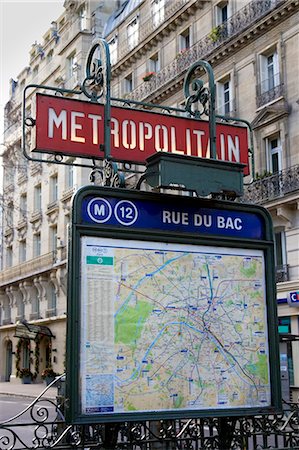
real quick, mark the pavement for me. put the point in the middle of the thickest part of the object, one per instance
(32, 390)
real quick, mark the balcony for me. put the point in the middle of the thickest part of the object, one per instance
(27, 269)
(273, 187)
(237, 24)
(269, 90)
(282, 273)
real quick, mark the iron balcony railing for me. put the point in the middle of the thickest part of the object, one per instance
(236, 24)
(282, 273)
(273, 186)
(269, 90)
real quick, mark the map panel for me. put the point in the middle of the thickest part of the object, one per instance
(172, 327)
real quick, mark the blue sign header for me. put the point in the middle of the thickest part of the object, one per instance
(146, 214)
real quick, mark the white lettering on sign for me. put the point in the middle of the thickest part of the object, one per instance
(76, 126)
(202, 219)
(95, 134)
(57, 121)
(138, 135)
(229, 223)
(175, 217)
(60, 121)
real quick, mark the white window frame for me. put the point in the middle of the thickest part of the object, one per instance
(9, 256)
(53, 238)
(158, 12)
(269, 71)
(183, 44)
(70, 176)
(133, 32)
(113, 45)
(53, 188)
(283, 255)
(271, 151)
(128, 83)
(82, 13)
(72, 65)
(37, 243)
(224, 107)
(38, 198)
(22, 251)
(219, 20)
(154, 63)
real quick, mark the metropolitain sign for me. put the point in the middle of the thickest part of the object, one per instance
(76, 128)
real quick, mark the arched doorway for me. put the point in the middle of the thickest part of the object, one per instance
(8, 360)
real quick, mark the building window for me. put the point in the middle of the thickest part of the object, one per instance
(82, 13)
(35, 310)
(274, 153)
(36, 245)
(53, 188)
(224, 97)
(154, 63)
(133, 33)
(53, 238)
(22, 251)
(9, 256)
(70, 176)
(280, 248)
(9, 215)
(38, 198)
(113, 50)
(20, 308)
(128, 83)
(158, 11)
(35, 71)
(184, 40)
(222, 12)
(72, 66)
(23, 206)
(50, 56)
(52, 299)
(270, 77)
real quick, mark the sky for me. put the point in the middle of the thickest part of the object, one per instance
(22, 23)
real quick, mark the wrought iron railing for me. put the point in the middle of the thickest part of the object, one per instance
(282, 273)
(273, 187)
(42, 425)
(236, 24)
(269, 90)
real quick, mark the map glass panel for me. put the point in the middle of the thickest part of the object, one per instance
(169, 326)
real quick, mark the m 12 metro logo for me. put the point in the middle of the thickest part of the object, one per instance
(99, 210)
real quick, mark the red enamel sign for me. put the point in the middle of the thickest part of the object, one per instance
(76, 128)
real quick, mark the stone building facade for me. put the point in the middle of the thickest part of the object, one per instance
(253, 49)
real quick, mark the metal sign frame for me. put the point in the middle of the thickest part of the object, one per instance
(82, 226)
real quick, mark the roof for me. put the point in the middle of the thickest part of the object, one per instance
(120, 15)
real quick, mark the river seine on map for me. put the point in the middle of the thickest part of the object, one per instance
(172, 327)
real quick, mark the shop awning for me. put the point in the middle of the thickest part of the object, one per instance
(31, 331)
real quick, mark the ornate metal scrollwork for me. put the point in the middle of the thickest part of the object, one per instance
(202, 96)
(110, 176)
(98, 70)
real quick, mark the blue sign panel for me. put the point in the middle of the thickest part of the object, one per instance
(143, 214)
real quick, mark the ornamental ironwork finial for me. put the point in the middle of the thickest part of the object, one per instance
(96, 84)
(205, 96)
